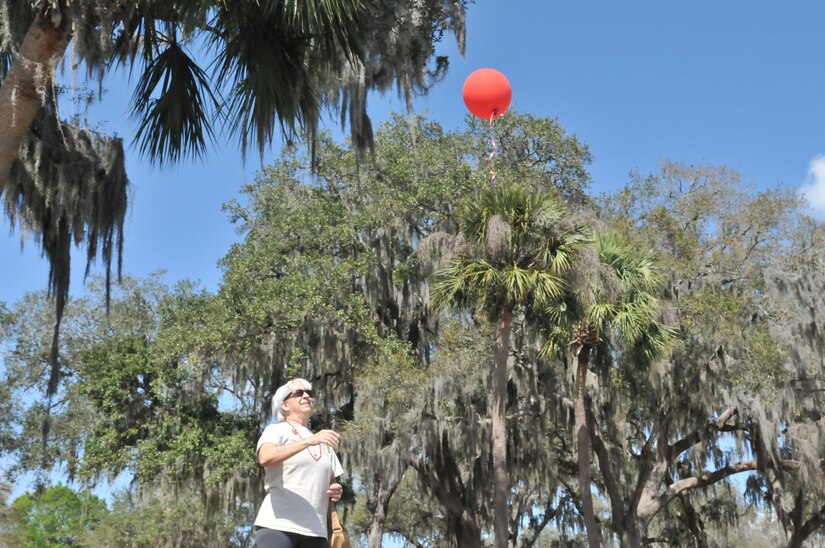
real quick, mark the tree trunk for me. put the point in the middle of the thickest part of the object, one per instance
(631, 536)
(441, 476)
(24, 88)
(804, 530)
(796, 518)
(376, 533)
(378, 506)
(500, 484)
(466, 534)
(583, 446)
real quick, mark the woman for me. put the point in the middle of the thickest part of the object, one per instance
(301, 468)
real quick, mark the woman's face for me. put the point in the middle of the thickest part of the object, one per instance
(298, 403)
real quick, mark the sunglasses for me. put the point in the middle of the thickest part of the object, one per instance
(299, 394)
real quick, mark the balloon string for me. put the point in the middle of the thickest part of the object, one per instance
(493, 153)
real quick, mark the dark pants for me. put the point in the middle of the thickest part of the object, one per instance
(271, 538)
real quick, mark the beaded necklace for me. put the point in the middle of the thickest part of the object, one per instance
(309, 447)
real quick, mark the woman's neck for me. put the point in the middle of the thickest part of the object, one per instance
(299, 420)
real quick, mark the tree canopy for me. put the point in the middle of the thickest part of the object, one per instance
(333, 279)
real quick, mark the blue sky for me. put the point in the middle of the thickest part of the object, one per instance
(732, 82)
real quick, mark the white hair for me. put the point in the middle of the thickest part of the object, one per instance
(283, 392)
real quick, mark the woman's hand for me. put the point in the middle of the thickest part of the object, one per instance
(335, 491)
(329, 437)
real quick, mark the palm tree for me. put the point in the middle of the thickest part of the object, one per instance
(270, 64)
(517, 247)
(615, 297)
(278, 62)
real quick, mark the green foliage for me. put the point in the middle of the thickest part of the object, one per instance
(56, 517)
(535, 153)
(139, 398)
(520, 245)
(153, 424)
(611, 300)
(163, 520)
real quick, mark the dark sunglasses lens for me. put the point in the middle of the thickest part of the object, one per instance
(300, 393)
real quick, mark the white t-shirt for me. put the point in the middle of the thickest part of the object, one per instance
(297, 499)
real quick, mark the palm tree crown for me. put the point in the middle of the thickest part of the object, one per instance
(615, 293)
(517, 247)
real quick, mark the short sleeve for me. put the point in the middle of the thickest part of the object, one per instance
(274, 433)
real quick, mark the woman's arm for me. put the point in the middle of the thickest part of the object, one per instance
(271, 454)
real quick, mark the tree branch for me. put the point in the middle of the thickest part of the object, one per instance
(812, 524)
(652, 505)
(647, 463)
(695, 437)
(707, 478)
(549, 513)
(703, 480)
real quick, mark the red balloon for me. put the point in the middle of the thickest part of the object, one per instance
(487, 93)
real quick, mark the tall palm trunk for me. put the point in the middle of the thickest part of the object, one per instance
(499, 389)
(24, 87)
(583, 445)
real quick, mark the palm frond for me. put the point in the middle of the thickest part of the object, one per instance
(474, 220)
(461, 284)
(336, 25)
(517, 285)
(559, 253)
(266, 72)
(547, 288)
(172, 101)
(555, 341)
(274, 55)
(656, 339)
(615, 294)
(632, 269)
(548, 212)
(479, 272)
(630, 323)
(520, 245)
(599, 313)
(563, 312)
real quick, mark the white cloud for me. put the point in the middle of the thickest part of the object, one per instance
(813, 190)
